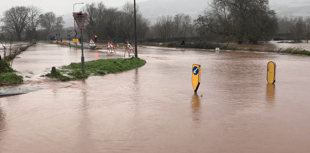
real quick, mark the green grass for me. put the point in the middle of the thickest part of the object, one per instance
(5, 67)
(7, 75)
(10, 79)
(42, 42)
(96, 68)
(296, 51)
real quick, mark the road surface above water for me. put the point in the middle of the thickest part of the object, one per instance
(154, 109)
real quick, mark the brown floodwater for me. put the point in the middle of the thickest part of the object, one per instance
(154, 108)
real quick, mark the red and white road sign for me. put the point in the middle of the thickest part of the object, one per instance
(80, 19)
(91, 41)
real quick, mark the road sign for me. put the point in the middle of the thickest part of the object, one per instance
(95, 36)
(80, 20)
(52, 37)
(271, 72)
(91, 41)
(75, 40)
(196, 72)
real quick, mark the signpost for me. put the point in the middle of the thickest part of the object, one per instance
(80, 20)
(196, 72)
(271, 72)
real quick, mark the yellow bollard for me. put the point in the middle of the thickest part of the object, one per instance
(271, 72)
(196, 72)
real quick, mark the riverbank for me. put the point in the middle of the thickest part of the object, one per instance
(96, 68)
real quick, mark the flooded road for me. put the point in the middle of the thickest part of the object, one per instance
(154, 109)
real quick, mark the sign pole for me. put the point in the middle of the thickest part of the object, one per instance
(82, 58)
(80, 20)
(136, 46)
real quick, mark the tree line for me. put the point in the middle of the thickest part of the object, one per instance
(294, 28)
(28, 23)
(242, 21)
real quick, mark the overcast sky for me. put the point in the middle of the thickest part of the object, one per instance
(63, 7)
(60, 7)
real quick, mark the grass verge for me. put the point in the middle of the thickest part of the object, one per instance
(96, 68)
(190, 45)
(296, 51)
(8, 76)
(245, 47)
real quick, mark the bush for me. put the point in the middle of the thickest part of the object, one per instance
(5, 67)
(10, 78)
(58, 76)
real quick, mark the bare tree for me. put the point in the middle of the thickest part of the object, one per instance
(15, 20)
(50, 22)
(164, 26)
(33, 22)
(246, 20)
(114, 24)
(307, 27)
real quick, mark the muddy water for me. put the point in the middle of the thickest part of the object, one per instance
(154, 109)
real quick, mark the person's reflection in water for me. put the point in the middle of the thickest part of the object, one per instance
(195, 108)
(270, 94)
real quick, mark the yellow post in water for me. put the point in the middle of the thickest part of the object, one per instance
(271, 72)
(196, 72)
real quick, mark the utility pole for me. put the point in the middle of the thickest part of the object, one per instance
(136, 46)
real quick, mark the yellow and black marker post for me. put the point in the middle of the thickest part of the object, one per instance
(196, 73)
(271, 72)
